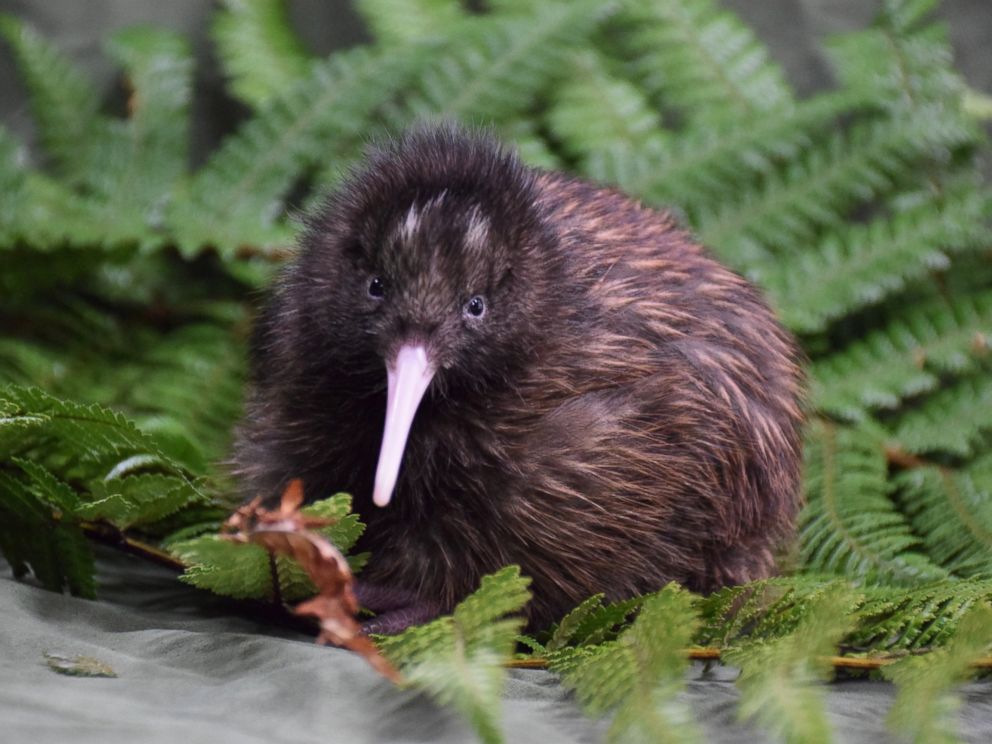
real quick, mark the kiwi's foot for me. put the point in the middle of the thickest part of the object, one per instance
(396, 609)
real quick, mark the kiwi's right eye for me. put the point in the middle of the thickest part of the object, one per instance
(377, 288)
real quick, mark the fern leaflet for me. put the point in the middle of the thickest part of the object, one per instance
(458, 658)
(236, 198)
(396, 22)
(952, 511)
(261, 54)
(862, 265)
(495, 67)
(850, 526)
(924, 708)
(778, 677)
(953, 420)
(640, 674)
(64, 101)
(701, 60)
(905, 357)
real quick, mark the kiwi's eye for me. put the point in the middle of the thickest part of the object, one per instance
(377, 288)
(476, 307)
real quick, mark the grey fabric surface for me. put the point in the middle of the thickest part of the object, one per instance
(191, 669)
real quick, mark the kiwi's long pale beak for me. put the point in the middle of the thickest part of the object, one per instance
(409, 374)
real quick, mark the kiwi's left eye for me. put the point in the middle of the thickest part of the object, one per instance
(377, 288)
(476, 307)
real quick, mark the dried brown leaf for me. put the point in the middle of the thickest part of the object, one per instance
(286, 531)
(78, 666)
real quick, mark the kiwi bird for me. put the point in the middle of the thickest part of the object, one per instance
(509, 365)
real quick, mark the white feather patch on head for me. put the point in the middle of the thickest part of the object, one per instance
(410, 224)
(437, 200)
(478, 228)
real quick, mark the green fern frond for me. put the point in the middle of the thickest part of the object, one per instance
(604, 622)
(952, 421)
(189, 387)
(779, 678)
(117, 474)
(260, 53)
(703, 166)
(181, 386)
(594, 110)
(592, 622)
(640, 674)
(75, 559)
(905, 357)
(885, 618)
(925, 706)
(141, 168)
(926, 616)
(143, 498)
(118, 174)
(225, 568)
(397, 22)
(91, 442)
(862, 265)
(952, 512)
(55, 494)
(159, 69)
(24, 362)
(50, 217)
(64, 102)
(13, 199)
(904, 16)
(701, 60)
(68, 343)
(762, 610)
(509, 7)
(31, 540)
(566, 630)
(493, 67)
(531, 145)
(850, 526)
(347, 526)
(459, 658)
(37, 531)
(819, 190)
(236, 198)
(904, 61)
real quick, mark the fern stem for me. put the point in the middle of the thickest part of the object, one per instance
(713, 654)
(895, 455)
(109, 535)
(273, 255)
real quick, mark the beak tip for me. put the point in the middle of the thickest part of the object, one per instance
(381, 497)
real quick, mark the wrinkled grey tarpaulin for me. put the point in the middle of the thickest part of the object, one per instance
(191, 671)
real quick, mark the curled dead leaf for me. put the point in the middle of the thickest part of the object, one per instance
(287, 531)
